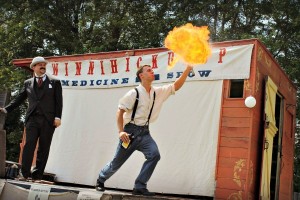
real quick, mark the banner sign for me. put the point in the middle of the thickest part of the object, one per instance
(225, 63)
(89, 195)
(39, 192)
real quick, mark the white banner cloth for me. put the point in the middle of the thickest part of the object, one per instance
(186, 133)
(231, 62)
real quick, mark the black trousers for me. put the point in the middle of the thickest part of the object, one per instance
(38, 129)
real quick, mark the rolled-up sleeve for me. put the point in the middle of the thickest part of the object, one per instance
(127, 101)
(165, 91)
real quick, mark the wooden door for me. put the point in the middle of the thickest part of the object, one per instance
(270, 130)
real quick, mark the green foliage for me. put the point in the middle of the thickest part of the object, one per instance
(14, 135)
(51, 27)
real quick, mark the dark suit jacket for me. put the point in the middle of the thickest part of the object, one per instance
(49, 100)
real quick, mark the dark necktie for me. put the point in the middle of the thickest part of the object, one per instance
(40, 81)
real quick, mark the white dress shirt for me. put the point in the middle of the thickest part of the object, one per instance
(145, 103)
(37, 77)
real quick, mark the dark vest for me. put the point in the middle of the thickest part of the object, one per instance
(38, 91)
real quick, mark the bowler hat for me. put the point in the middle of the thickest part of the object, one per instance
(37, 60)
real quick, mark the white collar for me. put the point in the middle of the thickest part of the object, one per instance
(42, 76)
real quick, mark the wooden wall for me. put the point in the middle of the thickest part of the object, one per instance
(235, 169)
(268, 66)
(238, 168)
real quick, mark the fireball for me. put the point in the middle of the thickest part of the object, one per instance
(189, 43)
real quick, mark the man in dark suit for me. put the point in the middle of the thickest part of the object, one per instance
(43, 115)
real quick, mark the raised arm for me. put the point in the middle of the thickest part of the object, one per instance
(180, 81)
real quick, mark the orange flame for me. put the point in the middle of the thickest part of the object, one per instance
(189, 43)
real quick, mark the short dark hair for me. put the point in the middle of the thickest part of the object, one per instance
(140, 70)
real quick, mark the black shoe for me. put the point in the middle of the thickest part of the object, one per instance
(99, 186)
(35, 175)
(142, 191)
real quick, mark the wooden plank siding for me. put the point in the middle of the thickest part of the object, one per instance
(286, 178)
(241, 134)
(237, 165)
(268, 66)
(223, 193)
(257, 134)
(232, 171)
(238, 122)
(234, 141)
(235, 132)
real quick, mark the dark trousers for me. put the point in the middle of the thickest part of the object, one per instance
(142, 142)
(38, 130)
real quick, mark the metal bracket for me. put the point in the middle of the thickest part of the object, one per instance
(266, 145)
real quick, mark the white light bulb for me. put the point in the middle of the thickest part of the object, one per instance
(250, 102)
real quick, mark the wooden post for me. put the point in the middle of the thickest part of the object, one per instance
(2, 152)
(4, 96)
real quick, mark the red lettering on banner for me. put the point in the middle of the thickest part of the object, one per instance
(78, 68)
(91, 68)
(66, 69)
(114, 66)
(154, 61)
(55, 69)
(170, 57)
(221, 54)
(139, 60)
(127, 65)
(102, 67)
